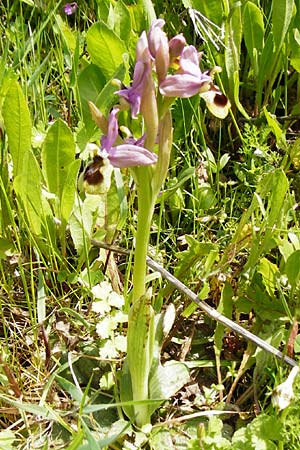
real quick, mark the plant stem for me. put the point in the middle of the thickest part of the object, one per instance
(145, 213)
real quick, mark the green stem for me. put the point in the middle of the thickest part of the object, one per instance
(145, 213)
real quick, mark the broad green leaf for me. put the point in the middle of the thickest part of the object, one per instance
(105, 48)
(120, 21)
(17, 123)
(212, 9)
(163, 440)
(75, 392)
(267, 61)
(167, 380)
(6, 247)
(294, 150)
(90, 83)
(297, 344)
(253, 22)
(269, 273)
(7, 439)
(84, 218)
(275, 127)
(224, 160)
(27, 185)
(292, 268)
(282, 11)
(57, 154)
(295, 49)
(233, 38)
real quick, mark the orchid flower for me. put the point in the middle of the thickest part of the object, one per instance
(123, 155)
(189, 80)
(142, 71)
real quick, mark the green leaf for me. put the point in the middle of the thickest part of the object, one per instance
(90, 83)
(282, 11)
(292, 268)
(105, 48)
(297, 344)
(70, 388)
(18, 126)
(58, 154)
(149, 12)
(27, 185)
(120, 21)
(269, 273)
(233, 38)
(6, 247)
(253, 32)
(7, 439)
(167, 380)
(275, 127)
(294, 151)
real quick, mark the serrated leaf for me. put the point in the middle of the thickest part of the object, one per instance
(105, 48)
(18, 125)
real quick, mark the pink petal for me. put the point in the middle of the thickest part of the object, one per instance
(129, 155)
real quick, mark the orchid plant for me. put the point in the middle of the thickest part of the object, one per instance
(164, 70)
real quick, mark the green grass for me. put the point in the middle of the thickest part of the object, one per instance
(226, 224)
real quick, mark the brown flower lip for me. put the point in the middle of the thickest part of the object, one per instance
(92, 174)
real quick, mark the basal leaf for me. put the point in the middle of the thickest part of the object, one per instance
(105, 48)
(167, 380)
(281, 18)
(18, 125)
(253, 32)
